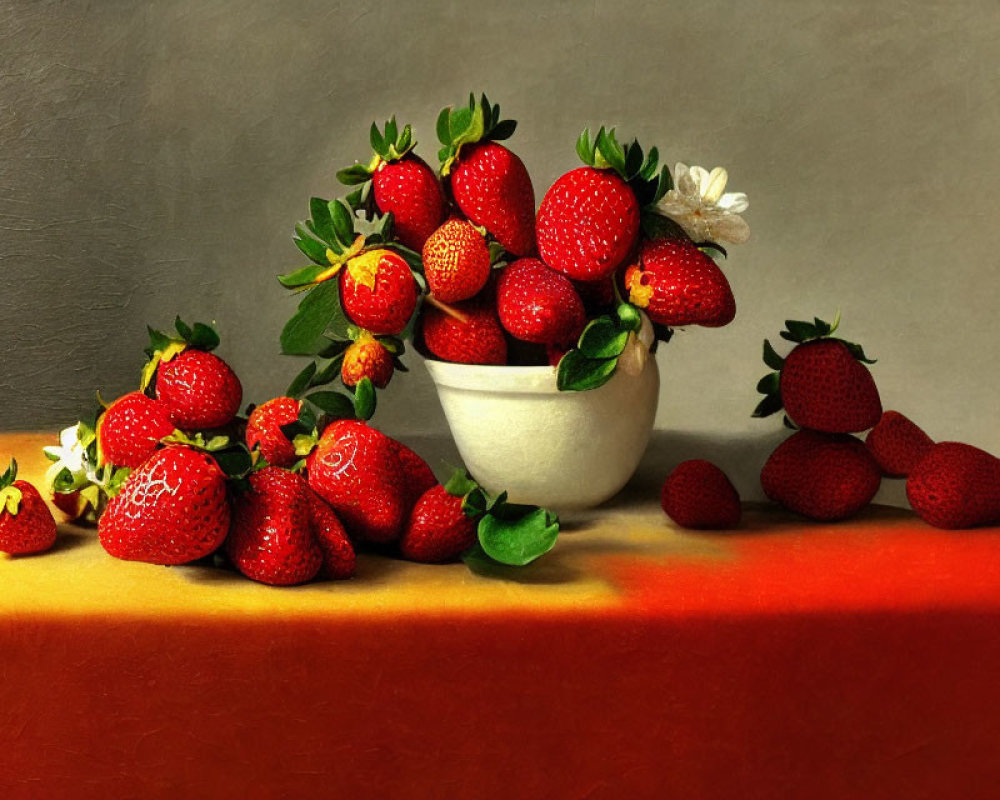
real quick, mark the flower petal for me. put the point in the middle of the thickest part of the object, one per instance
(715, 184)
(734, 202)
(731, 228)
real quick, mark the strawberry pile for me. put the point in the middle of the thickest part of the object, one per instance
(459, 260)
(173, 474)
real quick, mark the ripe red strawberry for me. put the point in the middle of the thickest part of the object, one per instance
(956, 486)
(264, 430)
(131, 428)
(479, 340)
(588, 221)
(368, 358)
(26, 524)
(456, 261)
(820, 475)
(490, 184)
(539, 305)
(339, 560)
(401, 183)
(438, 528)
(271, 539)
(897, 444)
(355, 469)
(199, 390)
(171, 510)
(697, 494)
(821, 384)
(378, 292)
(417, 475)
(677, 284)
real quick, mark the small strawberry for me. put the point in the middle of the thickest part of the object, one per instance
(131, 428)
(271, 539)
(697, 494)
(198, 388)
(456, 261)
(477, 340)
(339, 559)
(355, 469)
(368, 358)
(537, 304)
(417, 475)
(897, 444)
(264, 430)
(956, 486)
(820, 475)
(400, 183)
(26, 524)
(822, 384)
(171, 510)
(490, 184)
(588, 221)
(438, 528)
(677, 284)
(378, 291)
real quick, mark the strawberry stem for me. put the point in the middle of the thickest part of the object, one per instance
(452, 312)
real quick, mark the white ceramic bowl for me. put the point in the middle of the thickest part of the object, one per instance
(562, 450)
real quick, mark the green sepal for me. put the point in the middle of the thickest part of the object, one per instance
(235, 460)
(475, 122)
(639, 171)
(354, 175)
(304, 276)
(578, 373)
(603, 338)
(770, 383)
(114, 484)
(460, 484)
(801, 331)
(312, 249)
(10, 475)
(318, 319)
(771, 358)
(364, 399)
(771, 404)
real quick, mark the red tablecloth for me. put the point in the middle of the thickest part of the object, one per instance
(859, 660)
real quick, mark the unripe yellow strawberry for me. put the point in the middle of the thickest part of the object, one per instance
(368, 358)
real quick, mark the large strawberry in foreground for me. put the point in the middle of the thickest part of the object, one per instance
(401, 183)
(676, 283)
(823, 383)
(171, 510)
(489, 183)
(588, 221)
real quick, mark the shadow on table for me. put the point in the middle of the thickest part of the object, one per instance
(71, 537)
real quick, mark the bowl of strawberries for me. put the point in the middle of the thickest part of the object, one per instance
(538, 326)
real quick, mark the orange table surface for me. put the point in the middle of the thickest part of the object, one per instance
(785, 659)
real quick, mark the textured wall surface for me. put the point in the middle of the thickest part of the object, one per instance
(153, 158)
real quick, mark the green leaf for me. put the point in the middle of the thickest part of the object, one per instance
(329, 371)
(649, 167)
(322, 223)
(183, 329)
(577, 373)
(602, 338)
(771, 358)
(770, 383)
(584, 149)
(376, 140)
(458, 122)
(302, 276)
(633, 160)
(405, 141)
(354, 175)
(629, 317)
(611, 151)
(442, 127)
(335, 404)
(343, 221)
(364, 399)
(798, 331)
(391, 131)
(769, 405)
(303, 333)
(301, 382)
(517, 541)
(10, 475)
(312, 249)
(203, 337)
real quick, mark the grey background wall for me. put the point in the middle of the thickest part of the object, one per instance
(154, 156)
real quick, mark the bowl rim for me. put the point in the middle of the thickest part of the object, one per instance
(493, 377)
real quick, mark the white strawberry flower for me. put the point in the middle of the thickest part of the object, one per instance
(70, 454)
(700, 204)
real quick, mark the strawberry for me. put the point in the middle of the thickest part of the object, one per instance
(820, 475)
(956, 486)
(378, 291)
(822, 383)
(677, 284)
(417, 475)
(368, 358)
(171, 510)
(588, 220)
(897, 444)
(264, 430)
(26, 524)
(355, 469)
(199, 390)
(131, 428)
(477, 340)
(339, 560)
(537, 304)
(456, 261)
(598, 296)
(438, 528)
(697, 494)
(401, 184)
(489, 183)
(271, 539)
